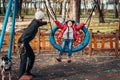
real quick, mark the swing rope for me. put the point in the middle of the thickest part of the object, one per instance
(48, 15)
(53, 16)
(89, 18)
(51, 11)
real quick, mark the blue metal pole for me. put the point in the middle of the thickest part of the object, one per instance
(12, 29)
(5, 22)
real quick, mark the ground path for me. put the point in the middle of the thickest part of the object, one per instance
(82, 68)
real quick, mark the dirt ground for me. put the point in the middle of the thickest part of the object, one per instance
(102, 66)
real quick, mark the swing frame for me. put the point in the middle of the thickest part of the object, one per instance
(12, 27)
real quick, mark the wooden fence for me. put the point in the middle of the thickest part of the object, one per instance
(97, 42)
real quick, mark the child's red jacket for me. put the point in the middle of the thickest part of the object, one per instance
(75, 27)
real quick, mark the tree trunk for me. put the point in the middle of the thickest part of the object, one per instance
(115, 8)
(0, 8)
(119, 30)
(75, 10)
(19, 11)
(119, 8)
(39, 3)
(102, 6)
(4, 8)
(78, 10)
(55, 7)
(101, 18)
(85, 8)
(26, 7)
(35, 7)
(64, 10)
(31, 5)
(60, 8)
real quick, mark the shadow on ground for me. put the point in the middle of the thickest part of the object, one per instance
(98, 68)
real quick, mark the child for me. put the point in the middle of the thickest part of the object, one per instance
(69, 35)
(24, 47)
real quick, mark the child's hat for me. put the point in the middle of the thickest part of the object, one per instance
(39, 14)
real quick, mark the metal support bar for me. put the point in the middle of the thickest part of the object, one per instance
(5, 23)
(12, 29)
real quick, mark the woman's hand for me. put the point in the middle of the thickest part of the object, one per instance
(22, 45)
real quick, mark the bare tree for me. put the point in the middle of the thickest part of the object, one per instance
(0, 8)
(55, 6)
(31, 5)
(64, 10)
(75, 10)
(26, 6)
(102, 6)
(35, 6)
(101, 18)
(119, 30)
(119, 7)
(116, 2)
(60, 12)
(25, 1)
(4, 8)
(85, 8)
(19, 8)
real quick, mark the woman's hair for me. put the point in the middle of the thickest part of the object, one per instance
(71, 21)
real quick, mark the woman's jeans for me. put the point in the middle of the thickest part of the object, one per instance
(69, 43)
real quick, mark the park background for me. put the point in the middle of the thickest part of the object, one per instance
(96, 62)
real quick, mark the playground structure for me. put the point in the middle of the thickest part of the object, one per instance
(75, 48)
(12, 26)
(99, 41)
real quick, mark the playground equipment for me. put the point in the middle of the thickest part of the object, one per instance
(78, 48)
(50, 12)
(12, 27)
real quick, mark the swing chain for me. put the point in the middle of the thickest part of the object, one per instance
(48, 14)
(89, 18)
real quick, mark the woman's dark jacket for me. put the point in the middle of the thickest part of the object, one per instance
(30, 32)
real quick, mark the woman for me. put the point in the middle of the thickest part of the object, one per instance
(69, 35)
(27, 55)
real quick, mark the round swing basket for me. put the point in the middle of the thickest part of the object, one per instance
(74, 49)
